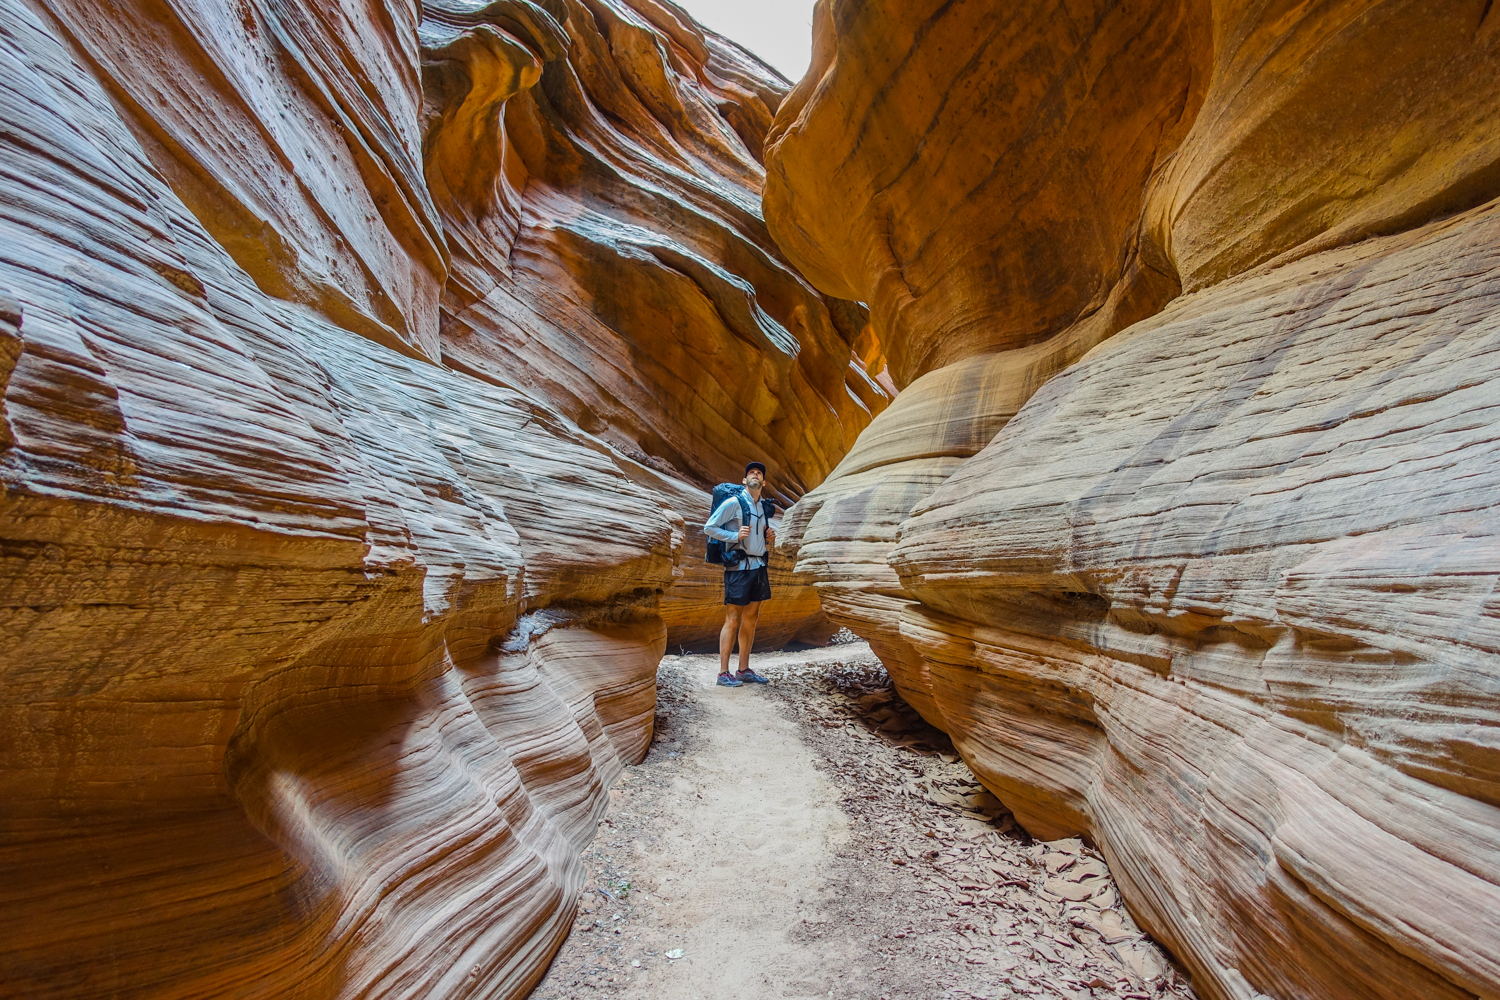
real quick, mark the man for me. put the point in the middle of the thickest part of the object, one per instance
(748, 582)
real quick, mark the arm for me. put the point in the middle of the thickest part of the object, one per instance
(714, 528)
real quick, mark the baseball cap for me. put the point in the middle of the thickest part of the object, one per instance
(755, 465)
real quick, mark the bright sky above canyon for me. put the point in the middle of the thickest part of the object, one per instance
(779, 31)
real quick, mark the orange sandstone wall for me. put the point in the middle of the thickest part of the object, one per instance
(1181, 525)
(608, 253)
(341, 478)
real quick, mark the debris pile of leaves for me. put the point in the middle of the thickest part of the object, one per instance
(1011, 916)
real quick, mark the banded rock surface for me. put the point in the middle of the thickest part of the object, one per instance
(327, 620)
(1182, 524)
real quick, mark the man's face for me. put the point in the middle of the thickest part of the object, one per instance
(755, 478)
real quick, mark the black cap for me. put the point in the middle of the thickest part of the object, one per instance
(755, 465)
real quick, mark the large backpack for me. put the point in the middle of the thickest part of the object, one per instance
(723, 492)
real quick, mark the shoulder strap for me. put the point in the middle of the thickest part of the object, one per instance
(744, 502)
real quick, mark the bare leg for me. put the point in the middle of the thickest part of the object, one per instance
(732, 616)
(747, 635)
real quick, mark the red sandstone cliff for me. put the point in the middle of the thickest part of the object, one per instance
(1182, 525)
(360, 369)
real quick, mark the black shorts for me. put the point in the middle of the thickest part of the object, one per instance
(744, 586)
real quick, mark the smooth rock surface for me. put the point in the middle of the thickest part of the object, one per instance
(1283, 613)
(327, 625)
(611, 258)
(1215, 595)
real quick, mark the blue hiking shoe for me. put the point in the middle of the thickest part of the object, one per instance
(748, 676)
(726, 681)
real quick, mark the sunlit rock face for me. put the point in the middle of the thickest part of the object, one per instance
(341, 479)
(1182, 523)
(610, 256)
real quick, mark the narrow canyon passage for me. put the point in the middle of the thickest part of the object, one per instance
(1127, 376)
(816, 839)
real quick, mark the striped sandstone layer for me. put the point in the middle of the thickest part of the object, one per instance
(1182, 524)
(342, 472)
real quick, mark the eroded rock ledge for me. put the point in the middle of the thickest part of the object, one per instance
(1182, 524)
(360, 369)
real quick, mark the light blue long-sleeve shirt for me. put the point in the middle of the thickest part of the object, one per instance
(724, 524)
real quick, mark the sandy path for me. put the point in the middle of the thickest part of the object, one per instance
(750, 830)
(815, 839)
(726, 836)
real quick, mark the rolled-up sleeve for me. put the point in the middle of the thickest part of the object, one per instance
(728, 511)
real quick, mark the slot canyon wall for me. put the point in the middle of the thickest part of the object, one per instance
(1183, 524)
(364, 367)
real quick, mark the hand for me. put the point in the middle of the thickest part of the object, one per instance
(770, 536)
(744, 532)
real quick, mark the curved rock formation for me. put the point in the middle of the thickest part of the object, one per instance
(340, 479)
(612, 259)
(1281, 611)
(1217, 594)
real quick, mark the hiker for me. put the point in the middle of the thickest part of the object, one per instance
(747, 581)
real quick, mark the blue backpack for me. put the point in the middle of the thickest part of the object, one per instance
(716, 551)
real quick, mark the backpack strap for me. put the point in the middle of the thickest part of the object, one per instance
(744, 500)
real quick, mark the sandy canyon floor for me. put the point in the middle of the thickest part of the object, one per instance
(814, 839)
